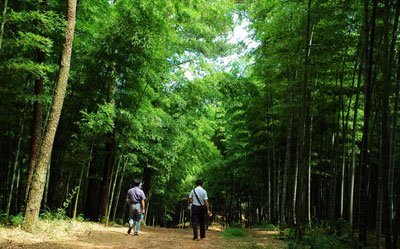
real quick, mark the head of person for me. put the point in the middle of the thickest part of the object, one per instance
(136, 183)
(199, 182)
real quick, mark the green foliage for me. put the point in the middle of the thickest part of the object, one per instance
(80, 217)
(316, 237)
(166, 218)
(267, 226)
(61, 213)
(100, 122)
(16, 219)
(11, 220)
(30, 40)
(231, 233)
(27, 66)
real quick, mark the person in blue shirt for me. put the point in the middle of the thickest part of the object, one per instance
(135, 198)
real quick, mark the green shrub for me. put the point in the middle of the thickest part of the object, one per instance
(235, 225)
(289, 234)
(120, 221)
(46, 215)
(234, 233)
(267, 226)
(297, 245)
(7, 220)
(3, 218)
(17, 219)
(322, 241)
(60, 214)
(80, 217)
(316, 238)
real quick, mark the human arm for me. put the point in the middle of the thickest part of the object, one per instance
(143, 206)
(189, 199)
(207, 205)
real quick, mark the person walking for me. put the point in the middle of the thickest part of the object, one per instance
(135, 199)
(198, 202)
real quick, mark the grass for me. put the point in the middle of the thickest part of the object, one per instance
(317, 237)
(231, 233)
(11, 220)
(240, 238)
(267, 226)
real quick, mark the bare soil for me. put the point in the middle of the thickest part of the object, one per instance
(77, 235)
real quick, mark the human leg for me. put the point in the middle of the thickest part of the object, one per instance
(195, 221)
(202, 225)
(137, 212)
(131, 218)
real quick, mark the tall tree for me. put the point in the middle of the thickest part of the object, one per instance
(38, 181)
(303, 140)
(3, 22)
(36, 130)
(369, 41)
(385, 138)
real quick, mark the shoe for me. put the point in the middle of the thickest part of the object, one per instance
(196, 239)
(136, 233)
(129, 230)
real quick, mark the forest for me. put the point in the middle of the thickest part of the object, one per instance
(293, 125)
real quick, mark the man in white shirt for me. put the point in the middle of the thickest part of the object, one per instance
(198, 202)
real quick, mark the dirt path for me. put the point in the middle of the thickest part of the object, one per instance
(97, 236)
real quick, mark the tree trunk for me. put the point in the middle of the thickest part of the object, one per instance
(369, 48)
(345, 123)
(384, 148)
(274, 180)
(301, 202)
(107, 171)
(285, 171)
(113, 190)
(80, 181)
(353, 149)
(147, 177)
(393, 138)
(3, 22)
(309, 176)
(332, 180)
(38, 181)
(295, 183)
(17, 190)
(14, 171)
(352, 170)
(109, 162)
(36, 132)
(36, 126)
(269, 188)
(147, 209)
(392, 163)
(396, 227)
(117, 197)
(46, 190)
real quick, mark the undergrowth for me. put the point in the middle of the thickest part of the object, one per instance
(230, 233)
(266, 226)
(317, 237)
(11, 220)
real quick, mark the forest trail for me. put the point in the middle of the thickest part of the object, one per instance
(77, 236)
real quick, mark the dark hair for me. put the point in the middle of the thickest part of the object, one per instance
(199, 182)
(136, 182)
